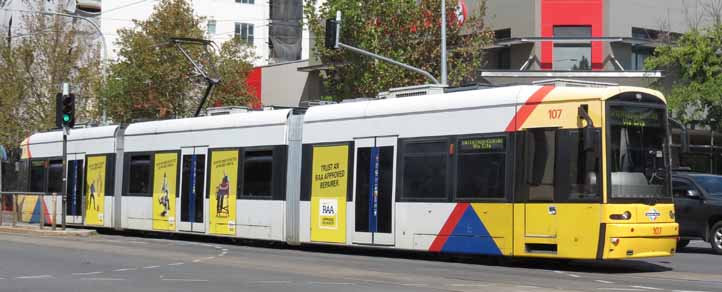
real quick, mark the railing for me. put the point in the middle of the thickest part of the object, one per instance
(10, 200)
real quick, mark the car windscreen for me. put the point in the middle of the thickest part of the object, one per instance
(712, 184)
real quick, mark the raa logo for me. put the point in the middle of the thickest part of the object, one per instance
(652, 214)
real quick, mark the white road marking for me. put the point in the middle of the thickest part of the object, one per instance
(35, 277)
(415, 285)
(102, 279)
(150, 267)
(559, 272)
(270, 282)
(604, 282)
(527, 286)
(646, 288)
(184, 280)
(175, 264)
(85, 274)
(471, 285)
(196, 260)
(126, 269)
(620, 289)
(225, 249)
(329, 283)
(574, 275)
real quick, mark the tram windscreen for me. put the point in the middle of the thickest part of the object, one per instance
(637, 137)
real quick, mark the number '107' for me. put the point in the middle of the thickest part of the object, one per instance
(555, 114)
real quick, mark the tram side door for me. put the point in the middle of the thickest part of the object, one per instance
(374, 190)
(540, 210)
(75, 189)
(192, 195)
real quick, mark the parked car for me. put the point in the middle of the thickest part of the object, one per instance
(698, 207)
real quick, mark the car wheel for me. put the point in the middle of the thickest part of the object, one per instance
(716, 239)
(682, 243)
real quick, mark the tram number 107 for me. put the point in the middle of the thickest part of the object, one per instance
(555, 114)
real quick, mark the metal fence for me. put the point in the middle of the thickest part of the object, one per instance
(14, 203)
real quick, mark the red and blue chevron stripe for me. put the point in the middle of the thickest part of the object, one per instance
(464, 232)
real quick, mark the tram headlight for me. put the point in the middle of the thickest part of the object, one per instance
(614, 240)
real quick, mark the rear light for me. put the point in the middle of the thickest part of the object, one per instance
(624, 216)
(614, 240)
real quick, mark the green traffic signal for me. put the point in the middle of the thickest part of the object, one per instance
(66, 118)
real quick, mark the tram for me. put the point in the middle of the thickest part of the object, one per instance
(532, 171)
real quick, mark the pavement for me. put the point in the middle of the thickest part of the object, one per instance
(112, 262)
(47, 231)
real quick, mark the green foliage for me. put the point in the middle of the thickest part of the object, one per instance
(153, 80)
(404, 30)
(233, 68)
(44, 53)
(693, 68)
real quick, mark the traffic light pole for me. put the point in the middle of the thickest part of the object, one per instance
(333, 41)
(65, 177)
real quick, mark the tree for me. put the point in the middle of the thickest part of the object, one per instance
(153, 80)
(404, 30)
(693, 82)
(41, 54)
(233, 68)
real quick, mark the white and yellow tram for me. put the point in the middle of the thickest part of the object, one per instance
(540, 171)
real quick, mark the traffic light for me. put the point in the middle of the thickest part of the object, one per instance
(65, 110)
(331, 34)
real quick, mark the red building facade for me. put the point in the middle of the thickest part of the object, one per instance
(578, 18)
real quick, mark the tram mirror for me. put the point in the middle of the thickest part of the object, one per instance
(588, 137)
(588, 130)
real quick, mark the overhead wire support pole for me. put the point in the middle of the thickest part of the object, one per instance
(444, 78)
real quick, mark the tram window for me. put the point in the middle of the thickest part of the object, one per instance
(577, 168)
(55, 176)
(481, 168)
(425, 170)
(540, 156)
(37, 175)
(257, 173)
(139, 180)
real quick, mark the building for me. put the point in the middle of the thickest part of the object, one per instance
(590, 40)
(267, 25)
(593, 40)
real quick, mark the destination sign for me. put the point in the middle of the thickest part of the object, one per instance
(486, 144)
(636, 117)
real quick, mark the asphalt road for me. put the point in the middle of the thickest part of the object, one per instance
(126, 263)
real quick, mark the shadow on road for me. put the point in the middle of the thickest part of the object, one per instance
(698, 250)
(608, 267)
